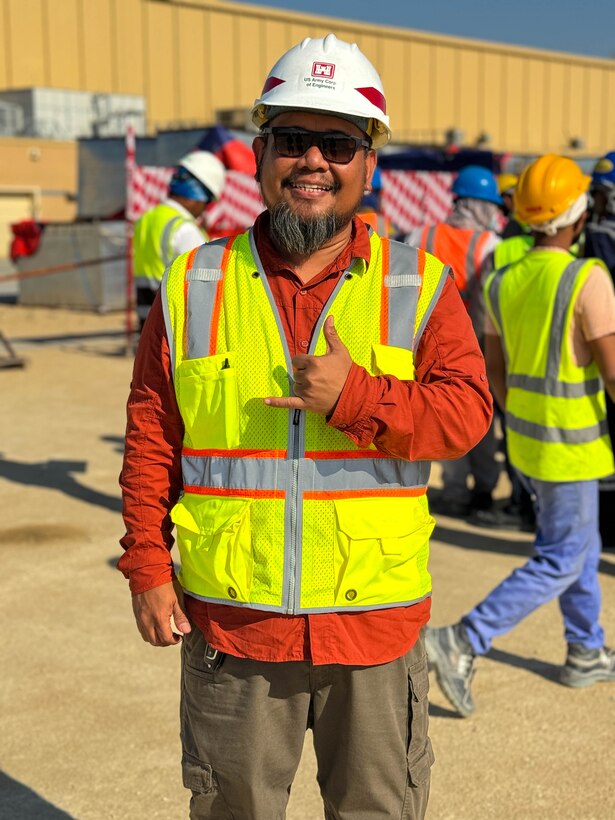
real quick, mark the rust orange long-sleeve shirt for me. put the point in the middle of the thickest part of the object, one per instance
(440, 415)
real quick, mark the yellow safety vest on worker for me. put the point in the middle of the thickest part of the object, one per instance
(556, 425)
(280, 511)
(511, 250)
(152, 244)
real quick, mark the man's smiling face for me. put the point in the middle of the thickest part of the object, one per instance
(309, 185)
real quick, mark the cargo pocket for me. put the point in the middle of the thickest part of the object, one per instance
(420, 754)
(209, 401)
(377, 545)
(215, 542)
(392, 361)
(197, 776)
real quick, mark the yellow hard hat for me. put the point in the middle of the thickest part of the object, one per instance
(507, 183)
(547, 188)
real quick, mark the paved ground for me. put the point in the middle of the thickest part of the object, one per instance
(89, 727)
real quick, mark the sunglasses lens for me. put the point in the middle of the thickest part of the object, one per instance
(333, 147)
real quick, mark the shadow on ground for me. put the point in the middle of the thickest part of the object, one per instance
(57, 475)
(19, 801)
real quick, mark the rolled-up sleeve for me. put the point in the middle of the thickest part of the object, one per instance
(443, 412)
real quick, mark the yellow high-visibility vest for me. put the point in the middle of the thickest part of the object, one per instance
(280, 511)
(556, 425)
(152, 244)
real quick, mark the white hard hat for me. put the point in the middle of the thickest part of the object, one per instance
(330, 76)
(207, 168)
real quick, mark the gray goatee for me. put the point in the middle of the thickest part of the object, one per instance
(297, 235)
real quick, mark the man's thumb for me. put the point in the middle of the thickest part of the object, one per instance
(181, 621)
(333, 340)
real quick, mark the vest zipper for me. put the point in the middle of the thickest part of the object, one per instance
(292, 584)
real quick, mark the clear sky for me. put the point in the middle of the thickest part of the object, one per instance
(577, 26)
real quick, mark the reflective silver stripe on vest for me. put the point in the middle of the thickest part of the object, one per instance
(319, 475)
(203, 277)
(556, 435)
(553, 387)
(404, 279)
(166, 252)
(494, 299)
(446, 271)
(550, 384)
(429, 243)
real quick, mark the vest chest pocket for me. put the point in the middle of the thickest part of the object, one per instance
(209, 401)
(215, 542)
(388, 360)
(381, 550)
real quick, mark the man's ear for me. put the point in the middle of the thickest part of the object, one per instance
(258, 148)
(370, 167)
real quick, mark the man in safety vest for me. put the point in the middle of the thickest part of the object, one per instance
(170, 228)
(466, 241)
(550, 339)
(290, 386)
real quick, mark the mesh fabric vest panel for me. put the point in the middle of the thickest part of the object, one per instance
(147, 242)
(555, 410)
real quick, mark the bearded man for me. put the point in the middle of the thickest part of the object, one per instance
(290, 387)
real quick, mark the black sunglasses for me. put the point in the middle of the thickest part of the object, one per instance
(294, 142)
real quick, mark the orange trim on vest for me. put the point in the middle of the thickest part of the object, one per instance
(323, 495)
(345, 454)
(188, 451)
(215, 317)
(234, 493)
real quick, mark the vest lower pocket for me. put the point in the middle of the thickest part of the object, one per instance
(388, 360)
(381, 550)
(214, 536)
(209, 401)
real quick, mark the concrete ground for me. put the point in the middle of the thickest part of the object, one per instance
(89, 712)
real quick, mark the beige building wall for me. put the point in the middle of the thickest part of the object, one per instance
(191, 58)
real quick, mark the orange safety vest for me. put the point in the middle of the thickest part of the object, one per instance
(381, 224)
(462, 249)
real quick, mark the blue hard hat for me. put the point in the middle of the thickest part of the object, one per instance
(604, 171)
(184, 184)
(476, 182)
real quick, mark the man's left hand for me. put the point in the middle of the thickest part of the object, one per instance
(318, 380)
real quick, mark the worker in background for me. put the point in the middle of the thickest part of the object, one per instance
(289, 390)
(171, 228)
(371, 208)
(550, 337)
(466, 241)
(600, 242)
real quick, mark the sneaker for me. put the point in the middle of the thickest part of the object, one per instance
(451, 658)
(585, 667)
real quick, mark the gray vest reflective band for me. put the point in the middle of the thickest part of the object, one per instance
(557, 435)
(550, 384)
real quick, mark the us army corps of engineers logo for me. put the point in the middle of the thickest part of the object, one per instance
(322, 76)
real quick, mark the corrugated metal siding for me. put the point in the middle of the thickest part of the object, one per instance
(191, 58)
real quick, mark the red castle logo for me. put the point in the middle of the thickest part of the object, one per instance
(323, 70)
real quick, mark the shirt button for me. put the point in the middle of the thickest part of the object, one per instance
(303, 291)
(303, 343)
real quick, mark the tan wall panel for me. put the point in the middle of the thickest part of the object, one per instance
(64, 40)
(5, 49)
(43, 163)
(445, 67)
(574, 103)
(418, 122)
(27, 43)
(533, 103)
(252, 67)
(192, 102)
(390, 64)
(275, 41)
(98, 47)
(128, 36)
(594, 115)
(553, 113)
(492, 101)
(223, 65)
(470, 91)
(514, 94)
(161, 59)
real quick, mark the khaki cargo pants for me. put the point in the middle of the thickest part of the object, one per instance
(243, 727)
